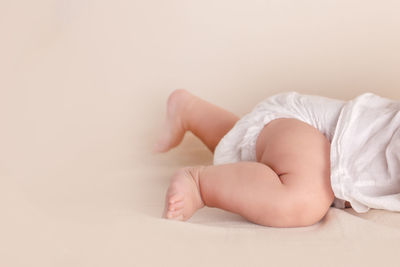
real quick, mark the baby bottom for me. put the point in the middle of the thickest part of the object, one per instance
(288, 185)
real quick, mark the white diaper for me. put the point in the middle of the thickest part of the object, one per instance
(365, 154)
(365, 143)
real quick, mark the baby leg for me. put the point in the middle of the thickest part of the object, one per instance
(250, 189)
(186, 112)
(289, 187)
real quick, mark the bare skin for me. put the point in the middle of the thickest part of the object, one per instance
(288, 186)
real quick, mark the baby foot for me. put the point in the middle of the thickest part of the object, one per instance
(183, 197)
(174, 127)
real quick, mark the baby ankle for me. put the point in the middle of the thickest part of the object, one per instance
(197, 176)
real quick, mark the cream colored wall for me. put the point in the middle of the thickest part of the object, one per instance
(92, 67)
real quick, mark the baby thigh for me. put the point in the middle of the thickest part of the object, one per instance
(300, 155)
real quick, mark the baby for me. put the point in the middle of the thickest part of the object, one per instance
(285, 163)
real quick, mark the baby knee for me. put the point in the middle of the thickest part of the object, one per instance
(297, 211)
(307, 210)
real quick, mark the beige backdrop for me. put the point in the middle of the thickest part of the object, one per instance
(83, 85)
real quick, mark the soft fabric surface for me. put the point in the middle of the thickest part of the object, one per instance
(82, 95)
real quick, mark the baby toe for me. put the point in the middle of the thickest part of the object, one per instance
(175, 206)
(176, 198)
(175, 214)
